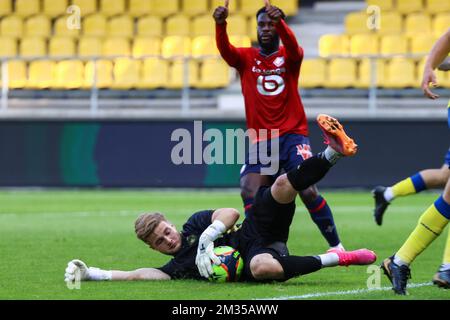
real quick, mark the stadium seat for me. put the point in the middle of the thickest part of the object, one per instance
(61, 47)
(155, 73)
(17, 74)
(117, 46)
(341, 73)
(394, 44)
(87, 7)
(54, 8)
(249, 8)
(90, 46)
(363, 44)
(164, 8)
(443, 78)
(6, 8)
(384, 5)
(11, 26)
(8, 47)
(421, 43)
(204, 46)
(120, 26)
(240, 41)
(38, 26)
(94, 25)
(178, 25)
(440, 24)
(391, 22)
(214, 73)
(138, 8)
(365, 73)
(60, 28)
(416, 23)
(334, 44)
(69, 74)
(126, 73)
(33, 47)
(312, 73)
(194, 7)
(104, 74)
(175, 46)
(112, 7)
(41, 74)
(437, 6)
(409, 6)
(143, 46)
(176, 74)
(289, 7)
(237, 25)
(356, 22)
(232, 7)
(203, 26)
(400, 73)
(252, 28)
(25, 8)
(150, 26)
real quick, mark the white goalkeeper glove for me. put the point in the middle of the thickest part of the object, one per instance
(205, 251)
(78, 270)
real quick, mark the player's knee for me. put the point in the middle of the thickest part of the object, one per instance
(282, 182)
(247, 190)
(265, 267)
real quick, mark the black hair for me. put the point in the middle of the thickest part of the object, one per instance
(263, 10)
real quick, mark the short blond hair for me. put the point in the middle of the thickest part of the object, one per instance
(146, 223)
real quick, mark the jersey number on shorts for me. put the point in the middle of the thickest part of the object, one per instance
(270, 85)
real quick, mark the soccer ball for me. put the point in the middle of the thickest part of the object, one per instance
(231, 267)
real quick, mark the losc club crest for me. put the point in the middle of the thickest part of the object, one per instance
(278, 61)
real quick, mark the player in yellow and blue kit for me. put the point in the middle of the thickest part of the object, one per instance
(436, 217)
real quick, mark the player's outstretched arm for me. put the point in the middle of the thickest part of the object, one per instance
(78, 270)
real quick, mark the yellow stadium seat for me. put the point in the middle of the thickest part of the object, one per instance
(194, 7)
(312, 73)
(61, 46)
(94, 25)
(289, 7)
(33, 47)
(41, 74)
(441, 23)
(150, 26)
(365, 73)
(12, 26)
(366, 43)
(334, 44)
(175, 46)
(252, 27)
(341, 73)
(203, 26)
(232, 7)
(437, 6)
(112, 7)
(240, 41)
(126, 73)
(384, 5)
(121, 26)
(400, 73)
(60, 28)
(69, 74)
(422, 43)
(25, 8)
(54, 8)
(164, 8)
(155, 73)
(116, 47)
(237, 25)
(178, 25)
(5, 7)
(176, 74)
(214, 73)
(249, 8)
(87, 7)
(90, 46)
(391, 22)
(356, 22)
(17, 74)
(409, 6)
(416, 23)
(8, 47)
(443, 79)
(138, 8)
(204, 46)
(38, 26)
(103, 75)
(394, 44)
(143, 46)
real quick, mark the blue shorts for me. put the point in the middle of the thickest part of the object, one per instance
(447, 158)
(293, 150)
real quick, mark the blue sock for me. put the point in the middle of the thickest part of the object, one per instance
(418, 182)
(321, 215)
(248, 203)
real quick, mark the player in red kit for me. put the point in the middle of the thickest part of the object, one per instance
(269, 79)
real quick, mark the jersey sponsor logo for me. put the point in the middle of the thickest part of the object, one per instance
(278, 61)
(270, 85)
(268, 72)
(304, 150)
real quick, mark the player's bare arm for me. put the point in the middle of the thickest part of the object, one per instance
(221, 13)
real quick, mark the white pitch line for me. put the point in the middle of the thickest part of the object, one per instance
(343, 293)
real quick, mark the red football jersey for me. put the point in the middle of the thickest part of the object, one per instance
(269, 83)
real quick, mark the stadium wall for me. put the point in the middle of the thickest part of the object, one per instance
(110, 153)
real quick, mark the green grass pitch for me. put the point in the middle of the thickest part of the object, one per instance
(40, 231)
